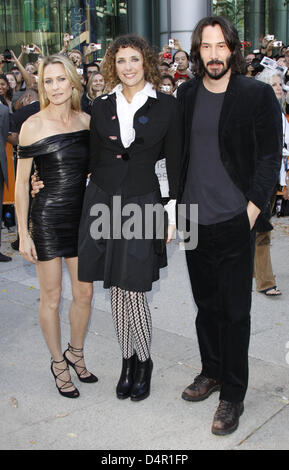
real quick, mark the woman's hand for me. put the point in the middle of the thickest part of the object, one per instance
(27, 249)
(36, 184)
(171, 233)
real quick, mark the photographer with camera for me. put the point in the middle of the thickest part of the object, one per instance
(167, 85)
(181, 58)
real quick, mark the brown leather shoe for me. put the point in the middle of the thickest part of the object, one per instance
(200, 389)
(226, 419)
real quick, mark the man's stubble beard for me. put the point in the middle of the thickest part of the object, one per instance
(221, 74)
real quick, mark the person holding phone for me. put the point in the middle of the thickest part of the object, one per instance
(181, 59)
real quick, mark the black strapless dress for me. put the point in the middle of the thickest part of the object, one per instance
(61, 161)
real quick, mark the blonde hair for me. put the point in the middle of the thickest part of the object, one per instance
(90, 93)
(70, 72)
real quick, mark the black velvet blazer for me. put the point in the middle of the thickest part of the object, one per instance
(158, 134)
(250, 136)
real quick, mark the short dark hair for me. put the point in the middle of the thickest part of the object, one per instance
(165, 64)
(92, 64)
(169, 77)
(237, 63)
(187, 55)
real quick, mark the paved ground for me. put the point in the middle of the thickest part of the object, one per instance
(35, 416)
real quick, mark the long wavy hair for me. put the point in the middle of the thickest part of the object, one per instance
(237, 61)
(9, 92)
(71, 74)
(150, 60)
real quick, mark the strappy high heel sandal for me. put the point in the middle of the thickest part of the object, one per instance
(66, 383)
(83, 370)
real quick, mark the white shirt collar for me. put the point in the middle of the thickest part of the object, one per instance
(148, 90)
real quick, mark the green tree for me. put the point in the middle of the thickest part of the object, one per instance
(231, 9)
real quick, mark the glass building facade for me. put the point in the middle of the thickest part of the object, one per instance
(256, 18)
(44, 22)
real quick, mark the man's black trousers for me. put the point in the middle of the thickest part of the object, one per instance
(221, 270)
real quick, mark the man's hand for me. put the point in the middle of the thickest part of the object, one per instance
(253, 212)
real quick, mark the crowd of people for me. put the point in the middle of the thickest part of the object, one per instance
(114, 120)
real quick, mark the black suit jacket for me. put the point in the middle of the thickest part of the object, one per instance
(20, 116)
(250, 136)
(158, 134)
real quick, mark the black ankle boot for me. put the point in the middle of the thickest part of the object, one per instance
(142, 380)
(126, 379)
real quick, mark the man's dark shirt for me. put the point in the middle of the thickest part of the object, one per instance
(208, 184)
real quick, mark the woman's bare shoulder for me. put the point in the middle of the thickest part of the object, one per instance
(31, 130)
(85, 119)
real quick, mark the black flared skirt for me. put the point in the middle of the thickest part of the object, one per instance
(121, 239)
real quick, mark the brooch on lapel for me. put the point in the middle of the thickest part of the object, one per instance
(143, 119)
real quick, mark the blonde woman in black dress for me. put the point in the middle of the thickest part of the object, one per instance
(56, 139)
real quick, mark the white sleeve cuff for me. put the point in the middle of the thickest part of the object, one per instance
(170, 208)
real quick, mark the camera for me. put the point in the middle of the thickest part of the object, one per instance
(95, 47)
(165, 88)
(270, 37)
(172, 43)
(79, 71)
(175, 66)
(7, 55)
(30, 48)
(277, 43)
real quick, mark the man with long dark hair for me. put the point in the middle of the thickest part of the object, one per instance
(232, 154)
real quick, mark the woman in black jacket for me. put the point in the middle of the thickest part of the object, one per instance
(131, 128)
